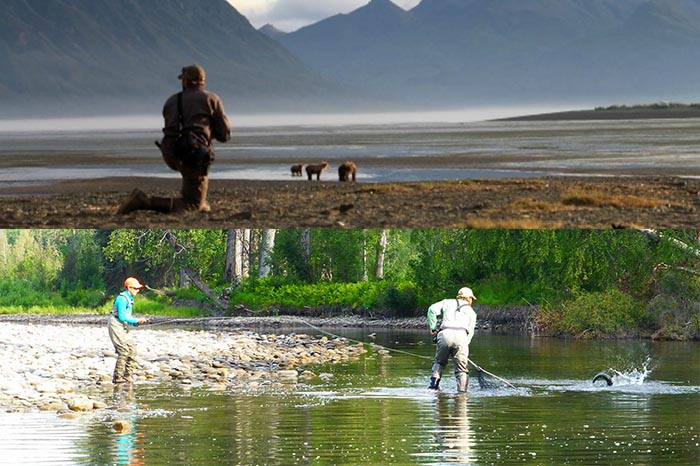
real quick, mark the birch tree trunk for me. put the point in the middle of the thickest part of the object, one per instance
(381, 252)
(184, 280)
(266, 247)
(238, 256)
(3, 245)
(658, 235)
(306, 250)
(254, 247)
(230, 263)
(364, 256)
(245, 254)
(237, 264)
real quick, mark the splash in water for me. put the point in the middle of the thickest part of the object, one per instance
(632, 376)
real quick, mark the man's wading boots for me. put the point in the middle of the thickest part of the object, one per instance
(462, 382)
(137, 201)
(140, 201)
(119, 380)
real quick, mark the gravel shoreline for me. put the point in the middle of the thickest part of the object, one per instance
(67, 367)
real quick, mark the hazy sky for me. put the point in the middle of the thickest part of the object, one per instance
(290, 15)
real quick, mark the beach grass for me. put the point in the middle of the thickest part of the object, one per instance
(597, 198)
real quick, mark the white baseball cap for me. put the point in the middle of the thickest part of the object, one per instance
(465, 293)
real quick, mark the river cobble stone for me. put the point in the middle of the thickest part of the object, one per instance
(67, 368)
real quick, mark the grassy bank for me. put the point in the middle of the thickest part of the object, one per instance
(607, 314)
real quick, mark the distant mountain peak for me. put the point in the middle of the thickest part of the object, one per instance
(486, 50)
(382, 4)
(271, 31)
(53, 51)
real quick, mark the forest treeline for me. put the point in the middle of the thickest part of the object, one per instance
(577, 282)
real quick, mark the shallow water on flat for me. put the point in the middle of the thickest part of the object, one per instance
(378, 411)
(383, 153)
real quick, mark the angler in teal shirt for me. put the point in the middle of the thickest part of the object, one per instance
(120, 320)
(124, 308)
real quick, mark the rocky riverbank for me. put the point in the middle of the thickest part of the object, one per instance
(67, 368)
(64, 363)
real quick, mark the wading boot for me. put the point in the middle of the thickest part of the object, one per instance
(434, 383)
(163, 205)
(137, 201)
(462, 382)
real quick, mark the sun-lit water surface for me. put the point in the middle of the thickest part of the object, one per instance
(378, 411)
(413, 150)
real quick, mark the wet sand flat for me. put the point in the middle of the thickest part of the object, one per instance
(560, 174)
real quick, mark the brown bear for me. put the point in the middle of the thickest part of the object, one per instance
(316, 170)
(296, 169)
(346, 170)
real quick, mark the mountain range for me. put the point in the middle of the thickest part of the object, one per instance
(488, 51)
(97, 56)
(123, 56)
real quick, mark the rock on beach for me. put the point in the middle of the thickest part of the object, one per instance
(68, 368)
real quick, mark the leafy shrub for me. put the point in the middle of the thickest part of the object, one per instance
(601, 313)
(401, 300)
(259, 294)
(21, 294)
(85, 298)
(547, 320)
(674, 317)
(499, 292)
(159, 307)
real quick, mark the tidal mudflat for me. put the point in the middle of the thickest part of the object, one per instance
(498, 174)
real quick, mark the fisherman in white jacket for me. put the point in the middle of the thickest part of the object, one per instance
(452, 322)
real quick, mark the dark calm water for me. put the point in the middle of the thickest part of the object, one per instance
(378, 411)
(383, 152)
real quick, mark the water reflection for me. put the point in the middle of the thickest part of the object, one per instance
(455, 432)
(128, 444)
(379, 411)
(126, 437)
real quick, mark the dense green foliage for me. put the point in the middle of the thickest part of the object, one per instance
(590, 315)
(583, 282)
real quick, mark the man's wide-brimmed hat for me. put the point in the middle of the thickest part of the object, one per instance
(193, 73)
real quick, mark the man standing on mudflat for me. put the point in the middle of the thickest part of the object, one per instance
(452, 323)
(193, 118)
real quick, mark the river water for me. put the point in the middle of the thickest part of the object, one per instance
(414, 151)
(378, 411)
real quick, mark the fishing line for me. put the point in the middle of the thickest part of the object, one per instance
(191, 320)
(477, 367)
(330, 334)
(395, 350)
